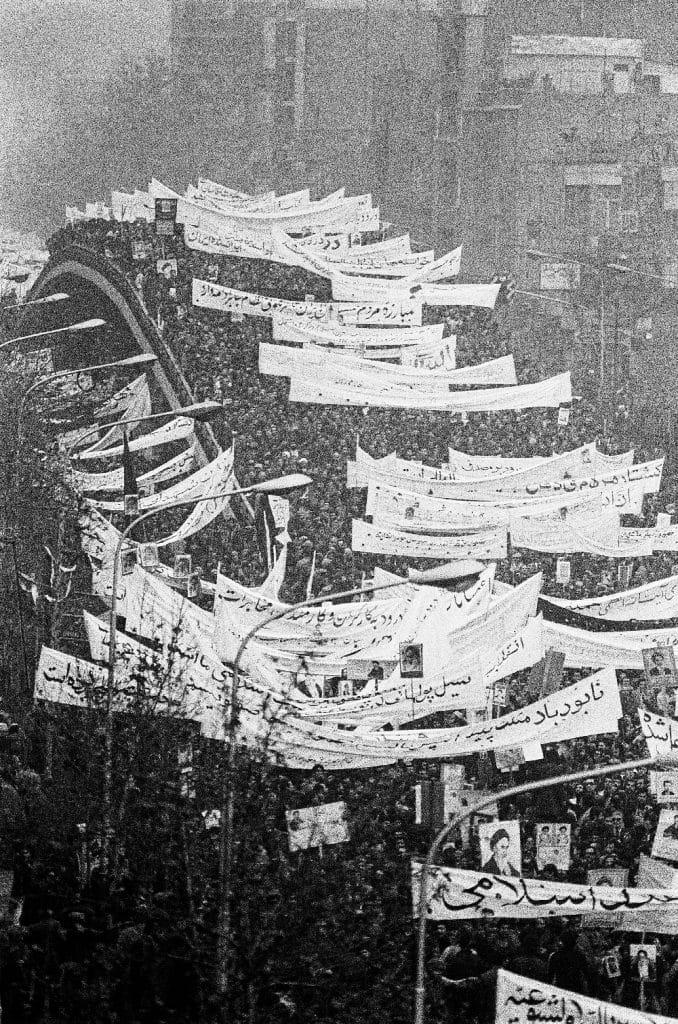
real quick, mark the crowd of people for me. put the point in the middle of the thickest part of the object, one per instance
(344, 951)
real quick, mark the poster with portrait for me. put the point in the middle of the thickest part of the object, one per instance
(616, 877)
(166, 267)
(323, 825)
(665, 843)
(563, 570)
(500, 852)
(453, 774)
(552, 840)
(643, 961)
(666, 787)
(660, 666)
(411, 661)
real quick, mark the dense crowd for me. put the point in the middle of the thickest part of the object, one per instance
(338, 933)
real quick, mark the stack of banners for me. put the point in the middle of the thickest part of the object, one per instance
(524, 484)
(483, 545)
(622, 490)
(478, 467)
(87, 483)
(131, 206)
(455, 894)
(213, 480)
(312, 361)
(229, 300)
(524, 1000)
(287, 739)
(178, 429)
(138, 408)
(652, 601)
(97, 211)
(117, 405)
(369, 289)
(547, 393)
(464, 687)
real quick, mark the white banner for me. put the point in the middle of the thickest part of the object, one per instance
(551, 392)
(376, 264)
(658, 538)
(312, 361)
(117, 405)
(623, 650)
(138, 407)
(229, 300)
(367, 537)
(656, 600)
(599, 535)
(656, 874)
(367, 289)
(661, 735)
(113, 480)
(177, 429)
(444, 267)
(441, 355)
(455, 894)
(524, 1000)
(304, 329)
(208, 481)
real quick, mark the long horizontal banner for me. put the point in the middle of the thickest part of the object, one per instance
(113, 480)
(551, 392)
(355, 262)
(306, 329)
(229, 300)
(177, 429)
(282, 361)
(456, 894)
(622, 650)
(524, 1000)
(483, 296)
(138, 407)
(117, 405)
(656, 600)
(659, 538)
(367, 537)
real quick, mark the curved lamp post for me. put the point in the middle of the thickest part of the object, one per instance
(56, 297)
(278, 485)
(428, 577)
(141, 360)
(82, 325)
(198, 411)
(466, 812)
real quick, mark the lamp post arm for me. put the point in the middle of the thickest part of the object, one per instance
(524, 787)
(91, 431)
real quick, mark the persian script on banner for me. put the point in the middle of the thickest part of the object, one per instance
(524, 1001)
(454, 894)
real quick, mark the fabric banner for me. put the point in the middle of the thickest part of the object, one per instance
(455, 894)
(656, 600)
(138, 408)
(113, 480)
(355, 289)
(496, 465)
(399, 246)
(205, 233)
(486, 545)
(442, 355)
(305, 329)
(283, 361)
(524, 1000)
(270, 588)
(117, 405)
(658, 538)
(614, 487)
(584, 460)
(229, 300)
(623, 650)
(656, 874)
(599, 536)
(661, 735)
(444, 267)
(328, 244)
(177, 429)
(377, 265)
(551, 392)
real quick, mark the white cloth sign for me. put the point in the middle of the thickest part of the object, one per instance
(229, 300)
(177, 429)
(624, 650)
(524, 1000)
(658, 538)
(369, 289)
(321, 825)
(113, 479)
(384, 541)
(455, 894)
(138, 408)
(656, 600)
(117, 405)
(305, 330)
(550, 392)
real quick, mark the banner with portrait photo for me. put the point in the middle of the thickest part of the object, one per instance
(665, 844)
(552, 840)
(323, 825)
(664, 785)
(500, 850)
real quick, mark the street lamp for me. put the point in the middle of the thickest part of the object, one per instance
(278, 485)
(82, 325)
(200, 411)
(56, 297)
(466, 812)
(426, 577)
(143, 359)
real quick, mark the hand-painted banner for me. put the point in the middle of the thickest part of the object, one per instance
(138, 408)
(117, 405)
(658, 538)
(229, 300)
(656, 874)
(282, 361)
(208, 481)
(496, 465)
(113, 480)
(177, 429)
(398, 246)
(440, 356)
(586, 459)
(354, 289)
(599, 536)
(661, 735)
(375, 264)
(623, 650)
(381, 540)
(455, 894)
(305, 330)
(524, 1000)
(551, 392)
(441, 269)
(656, 600)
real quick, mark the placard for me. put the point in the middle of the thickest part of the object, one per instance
(563, 571)
(666, 836)
(309, 827)
(165, 216)
(500, 848)
(666, 787)
(563, 416)
(553, 845)
(659, 665)
(411, 661)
